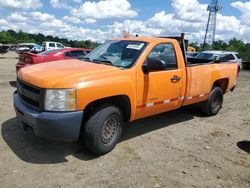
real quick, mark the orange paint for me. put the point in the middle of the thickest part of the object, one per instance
(149, 94)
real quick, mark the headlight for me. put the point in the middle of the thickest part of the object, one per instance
(60, 100)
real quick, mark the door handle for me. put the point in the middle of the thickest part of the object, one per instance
(175, 78)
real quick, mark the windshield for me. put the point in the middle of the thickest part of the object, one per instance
(26, 46)
(209, 56)
(37, 46)
(49, 51)
(123, 53)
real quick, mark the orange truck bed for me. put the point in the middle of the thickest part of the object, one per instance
(123, 80)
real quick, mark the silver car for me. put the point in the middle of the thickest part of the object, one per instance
(221, 56)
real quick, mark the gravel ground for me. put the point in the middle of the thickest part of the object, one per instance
(181, 148)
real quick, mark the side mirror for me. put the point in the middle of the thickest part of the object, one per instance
(218, 61)
(154, 65)
(145, 68)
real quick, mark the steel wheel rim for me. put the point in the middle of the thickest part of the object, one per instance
(110, 129)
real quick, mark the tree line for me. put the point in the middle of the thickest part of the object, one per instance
(13, 37)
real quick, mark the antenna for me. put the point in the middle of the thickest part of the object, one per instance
(213, 9)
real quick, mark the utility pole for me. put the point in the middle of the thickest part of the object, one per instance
(213, 9)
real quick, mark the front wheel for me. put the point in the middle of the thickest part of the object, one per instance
(214, 103)
(103, 130)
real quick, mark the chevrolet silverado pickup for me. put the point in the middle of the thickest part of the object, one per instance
(123, 80)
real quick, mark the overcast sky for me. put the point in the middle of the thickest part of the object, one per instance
(101, 20)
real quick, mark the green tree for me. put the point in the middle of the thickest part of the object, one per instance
(23, 37)
(6, 38)
(220, 45)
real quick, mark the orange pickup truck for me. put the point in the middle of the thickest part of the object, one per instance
(122, 80)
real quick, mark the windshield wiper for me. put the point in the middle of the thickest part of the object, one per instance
(89, 60)
(95, 60)
(106, 62)
(86, 59)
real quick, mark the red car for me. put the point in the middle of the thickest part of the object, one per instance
(27, 59)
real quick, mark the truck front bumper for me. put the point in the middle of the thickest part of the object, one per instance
(60, 126)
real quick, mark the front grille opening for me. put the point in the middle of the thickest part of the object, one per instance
(30, 101)
(32, 89)
(31, 96)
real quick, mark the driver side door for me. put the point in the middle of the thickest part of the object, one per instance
(161, 90)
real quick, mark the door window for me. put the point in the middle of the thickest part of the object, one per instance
(226, 57)
(67, 54)
(166, 53)
(51, 44)
(77, 53)
(238, 56)
(59, 45)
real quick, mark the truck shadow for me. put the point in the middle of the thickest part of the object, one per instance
(160, 121)
(32, 149)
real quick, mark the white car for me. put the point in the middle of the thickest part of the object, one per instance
(29, 47)
(221, 56)
(51, 46)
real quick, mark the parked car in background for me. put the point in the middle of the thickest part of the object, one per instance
(36, 49)
(27, 59)
(28, 47)
(3, 48)
(191, 54)
(25, 47)
(224, 56)
(51, 46)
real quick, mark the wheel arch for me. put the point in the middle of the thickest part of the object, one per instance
(121, 101)
(222, 83)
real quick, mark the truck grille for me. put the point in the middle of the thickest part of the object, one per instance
(31, 95)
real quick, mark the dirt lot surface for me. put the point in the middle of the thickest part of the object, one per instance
(175, 149)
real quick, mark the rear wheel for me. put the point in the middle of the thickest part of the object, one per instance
(238, 71)
(214, 103)
(103, 130)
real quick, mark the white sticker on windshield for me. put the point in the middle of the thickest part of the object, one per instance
(135, 46)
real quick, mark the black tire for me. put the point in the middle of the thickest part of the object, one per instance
(238, 72)
(214, 103)
(103, 130)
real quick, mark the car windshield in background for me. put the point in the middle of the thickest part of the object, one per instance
(50, 51)
(26, 46)
(209, 56)
(122, 53)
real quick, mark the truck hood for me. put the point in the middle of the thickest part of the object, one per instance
(48, 75)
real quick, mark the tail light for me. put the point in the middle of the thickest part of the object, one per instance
(26, 60)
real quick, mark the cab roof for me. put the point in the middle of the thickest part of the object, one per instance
(145, 39)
